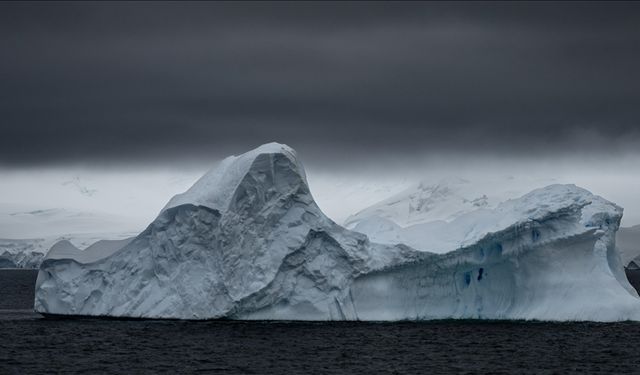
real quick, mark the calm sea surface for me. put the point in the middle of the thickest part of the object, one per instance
(32, 344)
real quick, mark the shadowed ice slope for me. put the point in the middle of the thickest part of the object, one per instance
(247, 241)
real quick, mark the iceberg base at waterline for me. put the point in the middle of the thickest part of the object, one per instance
(248, 241)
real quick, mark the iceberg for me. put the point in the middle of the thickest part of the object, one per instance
(27, 234)
(248, 241)
(28, 253)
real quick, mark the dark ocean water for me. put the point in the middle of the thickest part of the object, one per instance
(32, 344)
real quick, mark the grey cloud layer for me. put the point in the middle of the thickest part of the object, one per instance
(121, 82)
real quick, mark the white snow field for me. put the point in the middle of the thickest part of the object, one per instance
(247, 241)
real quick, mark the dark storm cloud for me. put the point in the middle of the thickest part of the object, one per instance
(142, 81)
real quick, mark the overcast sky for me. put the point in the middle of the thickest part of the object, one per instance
(393, 89)
(159, 82)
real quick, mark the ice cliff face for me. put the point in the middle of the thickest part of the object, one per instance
(247, 241)
(542, 256)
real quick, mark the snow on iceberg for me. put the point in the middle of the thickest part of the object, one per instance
(30, 252)
(247, 241)
(27, 234)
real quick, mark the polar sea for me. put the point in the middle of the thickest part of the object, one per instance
(30, 343)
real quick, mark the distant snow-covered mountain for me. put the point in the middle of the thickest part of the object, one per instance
(444, 200)
(27, 233)
(20, 221)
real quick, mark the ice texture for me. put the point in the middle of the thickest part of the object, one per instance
(247, 241)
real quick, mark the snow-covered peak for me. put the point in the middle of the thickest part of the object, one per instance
(217, 187)
(443, 200)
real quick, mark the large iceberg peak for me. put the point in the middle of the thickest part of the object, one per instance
(262, 173)
(247, 241)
